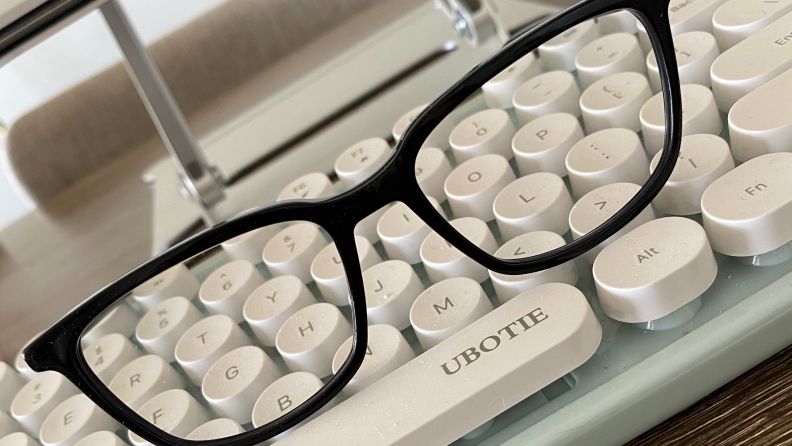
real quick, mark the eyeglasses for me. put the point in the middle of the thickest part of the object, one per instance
(267, 345)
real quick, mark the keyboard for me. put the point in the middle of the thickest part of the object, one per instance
(597, 374)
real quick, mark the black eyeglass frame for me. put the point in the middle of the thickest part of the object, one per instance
(59, 348)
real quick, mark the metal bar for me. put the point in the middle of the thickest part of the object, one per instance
(200, 181)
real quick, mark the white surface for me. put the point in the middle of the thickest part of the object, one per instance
(312, 185)
(143, 378)
(695, 53)
(14, 200)
(109, 355)
(284, 395)
(499, 90)
(250, 245)
(174, 411)
(8, 425)
(310, 338)
(205, 342)
(542, 145)
(431, 169)
(161, 328)
(552, 92)
(328, 272)
(38, 398)
(176, 281)
(16, 438)
(10, 383)
(214, 429)
(537, 202)
(361, 160)
(101, 438)
(291, 251)
(615, 101)
(226, 290)
(439, 136)
(72, 420)
(271, 304)
(443, 261)
(559, 52)
(736, 20)
(121, 319)
(391, 288)
(486, 132)
(402, 232)
(610, 54)
(473, 185)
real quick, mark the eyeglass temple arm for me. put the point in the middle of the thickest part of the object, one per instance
(202, 183)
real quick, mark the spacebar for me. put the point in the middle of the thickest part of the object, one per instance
(479, 372)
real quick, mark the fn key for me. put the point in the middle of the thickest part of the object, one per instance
(474, 375)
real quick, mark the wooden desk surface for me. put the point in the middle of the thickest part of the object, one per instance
(54, 258)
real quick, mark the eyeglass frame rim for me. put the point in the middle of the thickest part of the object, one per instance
(59, 348)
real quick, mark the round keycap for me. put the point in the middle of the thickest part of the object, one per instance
(249, 245)
(486, 132)
(499, 90)
(72, 420)
(439, 136)
(205, 342)
(312, 185)
(615, 101)
(387, 350)
(101, 438)
(402, 232)
(542, 145)
(695, 53)
(617, 22)
(391, 288)
(161, 328)
(431, 170)
(530, 244)
(228, 287)
(177, 281)
(559, 52)
(610, 54)
(38, 398)
(216, 429)
(447, 307)
(10, 383)
(273, 303)
(537, 202)
(443, 261)
(368, 226)
(143, 378)
(109, 355)
(293, 249)
(361, 160)
(121, 319)
(285, 395)
(328, 272)
(548, 93)
(235, 381)
(472, 187)
(310, 338)
(738, 19)
(18, 439)
(174, 411)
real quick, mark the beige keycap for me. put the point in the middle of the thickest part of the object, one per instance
(10, 383)
(249, 245)
(271, 304)
(472, 187)
(308, 340)
(617, 22)
(120, 319)
(609, 54)
(446, 308)
(174, 411)
(8, 425)
(402, 232)
(548, 93)
(292, 250)
(215, 429)
(542, 144)
(431, 170)
(391, 288)
(18, 439)
(702, 160)
(368, 226)
(109, 355)
(161, 328)
(361, 160)
(439, 136)
(72, 420)
(695, 53)
(559, 52)
(443, 261)
(308, 186)
(685, 16)
(205, 342)
(328, 272)
(486, 132)
(736, 20)
(499, 90)
(537, 202)
(143, 378)
(177, 281)
(615, 102)
(101, 438)
(387, 350)
(654, 270)
(227, 289)
(530, 244)
(699, 115)
(599, 205)
(608, 156)
(38, 398)
(233, 384)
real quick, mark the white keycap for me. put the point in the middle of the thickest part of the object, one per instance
(507, 355)
(22, 366)
(18, 439)
(615, 101)
(38, 398)
(161, 328)
(10, 383)
(431, 170)
(249, 245)
(109, 355)
(439, 136)
(402, 232)
(72, 420)
(328, 272)
(597, 206)
(174, 411)
(699, 115)
(233, 384)
(292, 250)
(308, 340)
(685, 16)
(736, 20)
(472, 187)
(368, 226)
(443, 261)
(537, 202)
(654, 270)
(312, 185)
(446, 308)
(617, 22)
(695, 53)
(8, 425)
(702, 160)
(553, 92)
(387, 350)
(205, 342)
(559, 52)
(121, 319)
(527, 245)
(391, 288)
(143, 378)
(761, 122)
(609, 156)
(227, 289)
(177, 281)
(747, 211)
(215, 429)
(542, 145)
(101, 438)
(285, 395)
(610, 54)
(499, 90)
(752, 63)
(486, 132)
(271, 304)
(361, 160)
